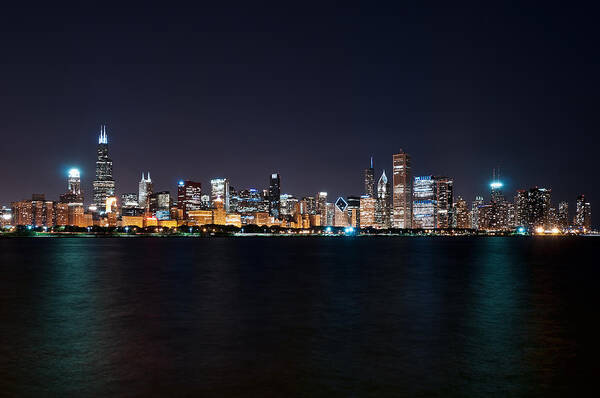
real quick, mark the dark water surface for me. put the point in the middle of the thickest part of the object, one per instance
(299, 316)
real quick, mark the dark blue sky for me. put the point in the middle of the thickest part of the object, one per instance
(310, 92)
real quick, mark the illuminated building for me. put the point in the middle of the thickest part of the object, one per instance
(234, 200)
(220, 191)
(563, 215)
(261, 218)
(167, 223)
(402, 194)
(315, 220)
(129, 205)
(189, 196)
(22, 212)
(353, 211)
(77, 216)
(521, 208)
(145, 188)
(367, 212)
(111, 205)
(200, 217)
(219, 212)
(424, 205)
(132, 221)
(321, 200)
(511, 215)
(308, 205)
(370, 180)
(340, 218)
(534, 207)
(249, 202)
(160, 201)
(288, 205)
(461, 214)
(6, 217)
(233, 219)
(73, 196)
(104, 185)
(583, 213)
(330, 211)
(274, 193)
(382, 205)
(62, 214)
(498, 215)
(444, 196)
(476, 204)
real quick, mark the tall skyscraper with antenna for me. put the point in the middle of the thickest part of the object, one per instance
(104, 185)
(145, 190)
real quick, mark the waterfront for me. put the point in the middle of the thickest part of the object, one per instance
(308, 316)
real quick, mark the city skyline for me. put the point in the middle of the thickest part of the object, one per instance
(237, 93)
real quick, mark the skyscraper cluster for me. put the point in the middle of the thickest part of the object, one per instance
(407, 202)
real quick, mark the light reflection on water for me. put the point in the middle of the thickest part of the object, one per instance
(272, 317)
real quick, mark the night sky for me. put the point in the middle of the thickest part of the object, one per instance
(243, 91)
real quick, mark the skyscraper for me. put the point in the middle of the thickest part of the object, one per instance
(370, 181)
(475, 214)
(321, 200)
(563, 215)
(340, 218)
(274, 195)
(402, 196)
(583, 213)
(145, 190)
(382, 206)
(189, 196)
(73, 196)
(367, 211)
(444, 196)
(104, 185)
(461, 214)
(220, 191)
(424, 205)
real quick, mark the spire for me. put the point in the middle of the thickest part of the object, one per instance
(143, 176)
(371, 161)
(149, 176)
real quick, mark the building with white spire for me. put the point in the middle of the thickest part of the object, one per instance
(145, 190)
(104, 185)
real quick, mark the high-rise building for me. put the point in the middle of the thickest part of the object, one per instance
(461, 214)
(475, 216)
(444, 196)
(353, 211)
(288, 205)
(424, 205)
(563, 215)
(533, 208)
(330, 212)
(367, 212)
(402, 195)
(382, 205)
(340, 218)
(104, 185)
(274, 195)
(160, 202)
(498, 214)
(521, 208)
(321, 202)
(583, 213)
(220, 191)
(370, 181)
(73, 196)
(145, 190)
(189, 196)
(129, 205)
(308, 205)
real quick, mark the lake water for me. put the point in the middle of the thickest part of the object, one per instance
(303, 316)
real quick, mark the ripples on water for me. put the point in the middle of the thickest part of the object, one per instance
(298, 316)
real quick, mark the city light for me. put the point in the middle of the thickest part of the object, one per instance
(496, 185)
(74, 173)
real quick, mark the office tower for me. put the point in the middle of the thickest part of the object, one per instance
(234, 200)
(583, 213)
(248, 204)
(22, 212)
(6, 217)
(382, 206)
(353, 211)
(340, 218)
(370, 181)
(62, 214)
(104, 185)
(511, 215)
(475, 205)
(367, 212)
(402, 195)
(274, 193)
(424, 205)
(160, 202)
(288, 205)
(73, 196)
(552, 218)
(532, 208)
(129, 205)
(145, 190)
(521, 208)
(498, 214)
(461, 214)
(321, 202)
(189, 196)
(444, 196)
(220, 191)
(563, 215)
(308, 205)
(330, 213)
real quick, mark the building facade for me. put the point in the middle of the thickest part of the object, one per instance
(402, 191)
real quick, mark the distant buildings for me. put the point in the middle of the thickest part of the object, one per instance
(382, 205)
(461, 214)
(370, 180)
(274, 193)
(144, 191)
(424, 205)
(104, 185)
(533, 208)
(583, 213)
(220, 191)
(402, 191)
(189, 196)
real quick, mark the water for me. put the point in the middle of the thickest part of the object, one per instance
(298, 316)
